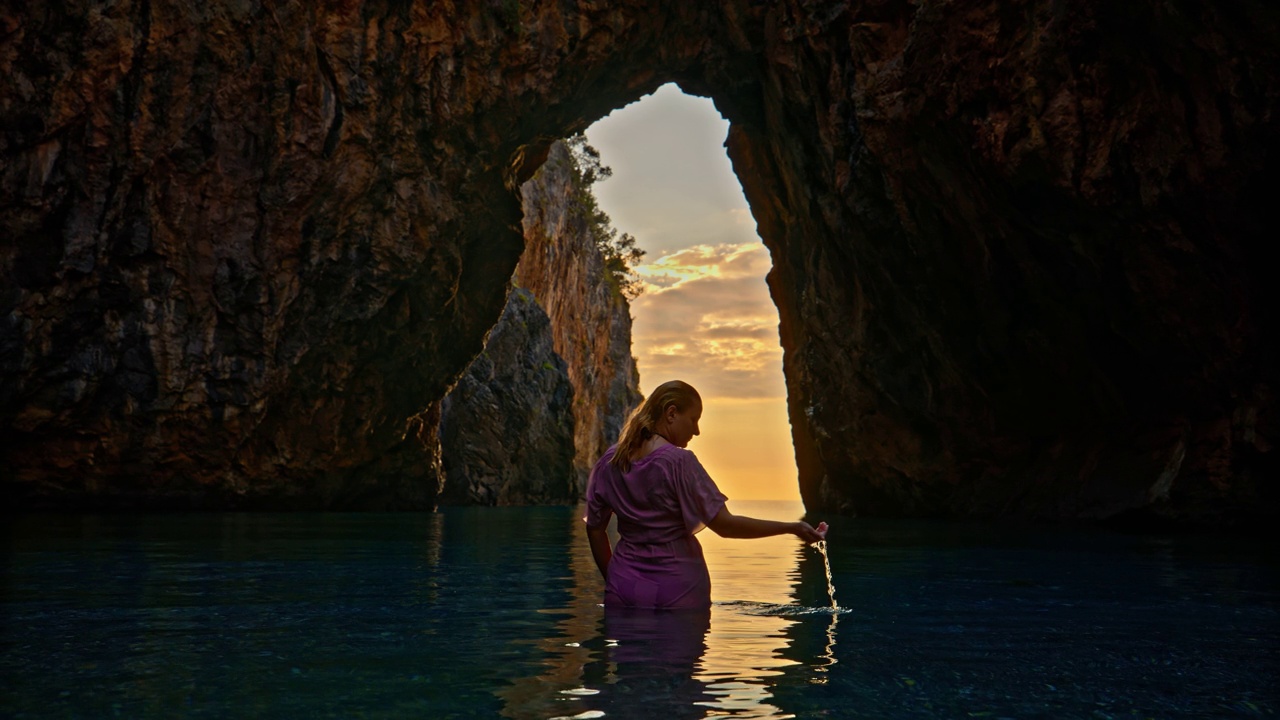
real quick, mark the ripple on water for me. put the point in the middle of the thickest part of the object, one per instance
(752, 607)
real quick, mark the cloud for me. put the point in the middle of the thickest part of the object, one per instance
(706, 317)
(726, 261)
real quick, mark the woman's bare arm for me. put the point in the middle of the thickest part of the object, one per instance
(598, 538)
(726, 524)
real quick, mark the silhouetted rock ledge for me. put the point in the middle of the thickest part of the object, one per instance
(1019, 247)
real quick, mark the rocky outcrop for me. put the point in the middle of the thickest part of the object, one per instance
(590, 317)
(506, 431)
(246, 247)
(547, 395)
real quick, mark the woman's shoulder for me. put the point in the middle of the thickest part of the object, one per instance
(683, 454)
(674, 456)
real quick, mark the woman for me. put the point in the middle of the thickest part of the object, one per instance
(663, 497)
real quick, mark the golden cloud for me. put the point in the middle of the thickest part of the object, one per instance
(706, 317)
(726, 261)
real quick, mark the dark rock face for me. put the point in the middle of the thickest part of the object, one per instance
(506, 431)
(590, 318)
(1019, 275)
(1018, 246)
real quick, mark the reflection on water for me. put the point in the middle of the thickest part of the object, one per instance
(829, 653)
(485, 612)
(945, 621)
(746, 649)
(646, 664)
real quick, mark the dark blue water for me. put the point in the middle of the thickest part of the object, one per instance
(494, 613)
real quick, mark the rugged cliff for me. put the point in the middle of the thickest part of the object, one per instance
(591, 319)
(506, 429)
(1018, 246)
(547, 395)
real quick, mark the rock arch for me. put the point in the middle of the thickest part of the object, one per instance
(248, 245)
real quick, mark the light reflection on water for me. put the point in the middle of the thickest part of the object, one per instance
(745, 649)
(682, 664)
(485, 612)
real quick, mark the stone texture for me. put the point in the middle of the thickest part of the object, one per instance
(590, 318)
(1018, 246)
(506, 431)
(1019, 272)
(547, 395)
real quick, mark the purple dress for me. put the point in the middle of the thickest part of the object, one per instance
(661, 502)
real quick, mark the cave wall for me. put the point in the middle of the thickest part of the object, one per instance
(1019, 275)
(247, 246)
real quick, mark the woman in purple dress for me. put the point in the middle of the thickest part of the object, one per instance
(663, 497)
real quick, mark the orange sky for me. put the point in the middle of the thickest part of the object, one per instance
(706, 316)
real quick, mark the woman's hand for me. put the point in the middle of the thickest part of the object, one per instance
(808, 533)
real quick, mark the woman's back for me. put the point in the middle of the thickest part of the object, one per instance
(665, 496)
(661, 501)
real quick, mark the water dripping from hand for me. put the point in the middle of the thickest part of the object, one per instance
(821, 547)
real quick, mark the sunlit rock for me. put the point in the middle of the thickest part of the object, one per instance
(590, 317)
(547, 395)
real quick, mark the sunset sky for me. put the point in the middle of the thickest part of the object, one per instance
(705, 316)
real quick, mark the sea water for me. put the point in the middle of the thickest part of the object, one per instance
(495, 612)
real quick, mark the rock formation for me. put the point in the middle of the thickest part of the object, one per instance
(508, 433)
(506, 430)
(246, 247)
(590, 317)
(1018, 275)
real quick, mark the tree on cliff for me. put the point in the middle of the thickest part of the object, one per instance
(621, 255)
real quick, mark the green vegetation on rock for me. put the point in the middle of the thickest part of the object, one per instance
(621, 255)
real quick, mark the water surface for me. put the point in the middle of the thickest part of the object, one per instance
(494, 612)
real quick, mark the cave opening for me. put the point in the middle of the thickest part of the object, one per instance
(1016, 273)
(704, 314)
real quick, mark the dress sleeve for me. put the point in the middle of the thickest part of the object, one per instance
(700, 499)
(598, 510)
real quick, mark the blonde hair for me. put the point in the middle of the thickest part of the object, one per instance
(644, 420)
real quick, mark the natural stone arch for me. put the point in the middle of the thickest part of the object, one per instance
(280, 233)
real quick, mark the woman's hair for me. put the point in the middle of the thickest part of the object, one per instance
(644, 419)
